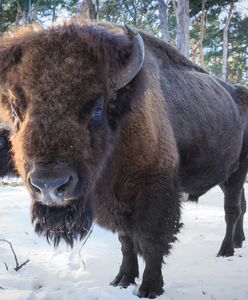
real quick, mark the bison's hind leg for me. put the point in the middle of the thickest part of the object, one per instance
(234, 209)
(129, 266)
(239, 235)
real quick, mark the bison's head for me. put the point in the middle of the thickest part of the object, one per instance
(64, 93)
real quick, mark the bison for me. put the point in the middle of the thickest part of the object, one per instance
(111, 125)
(6, 164)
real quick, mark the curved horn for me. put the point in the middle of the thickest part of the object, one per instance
(5, 126)
(135, 61)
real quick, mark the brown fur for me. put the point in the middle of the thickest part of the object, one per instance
(173, 128)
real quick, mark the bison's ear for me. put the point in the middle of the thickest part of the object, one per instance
(10, 56)
(133, 64)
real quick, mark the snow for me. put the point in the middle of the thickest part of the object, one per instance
(191, 272)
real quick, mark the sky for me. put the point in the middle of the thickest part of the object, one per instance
(243, 5)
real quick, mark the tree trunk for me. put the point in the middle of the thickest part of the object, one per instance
(203, 31)
(83, 9)
(181, 8)
(54, 11)
(88, 9)
(198, 48)
(163, 16)
(1, 17)
(29, 16)
(97, 9)
(225, 41)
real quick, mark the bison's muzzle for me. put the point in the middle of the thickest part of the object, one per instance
(54, 185)
(60, 207)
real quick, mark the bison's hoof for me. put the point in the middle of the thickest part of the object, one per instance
(122, 280)
(149, 291)
(237, 244)
(238, 241)
(226, 251)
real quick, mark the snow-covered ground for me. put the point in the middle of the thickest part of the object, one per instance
(191, 272)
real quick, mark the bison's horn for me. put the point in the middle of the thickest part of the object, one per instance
(135, 61)
(5, 126)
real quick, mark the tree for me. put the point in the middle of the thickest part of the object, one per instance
(141, 14)
(225, 41)
(181, 8)
(163, 15)
(212, 43)
(199, 45)
(237, 50)
(89, 9)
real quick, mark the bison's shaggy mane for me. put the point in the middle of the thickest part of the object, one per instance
(109, 45)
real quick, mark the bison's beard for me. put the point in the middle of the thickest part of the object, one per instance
(69, 223)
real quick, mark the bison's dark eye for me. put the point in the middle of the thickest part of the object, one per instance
(2, 142)
(97, 111)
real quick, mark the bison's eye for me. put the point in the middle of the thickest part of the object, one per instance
(2, 142)
(97, 111)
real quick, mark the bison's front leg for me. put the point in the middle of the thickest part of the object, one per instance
(129, 267)
(152, 283)
(156, 225)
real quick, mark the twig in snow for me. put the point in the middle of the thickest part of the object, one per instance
(6, 266)
(84, 242)
(17, 267)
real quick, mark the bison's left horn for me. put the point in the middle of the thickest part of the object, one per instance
(5, 126)
(135, 61)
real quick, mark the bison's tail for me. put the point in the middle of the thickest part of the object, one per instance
(241, 94)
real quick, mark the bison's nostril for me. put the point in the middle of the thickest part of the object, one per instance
(50, 188)
(61, 189)
(33, 185)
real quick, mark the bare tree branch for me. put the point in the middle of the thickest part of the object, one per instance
(6, 266)
(18, 266)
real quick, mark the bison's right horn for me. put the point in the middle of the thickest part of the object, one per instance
(135, 61)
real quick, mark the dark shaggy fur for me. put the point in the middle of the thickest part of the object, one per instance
(55, 223)
(172, 129)
(6, 163)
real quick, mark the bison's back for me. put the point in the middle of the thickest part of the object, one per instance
(208, 122)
